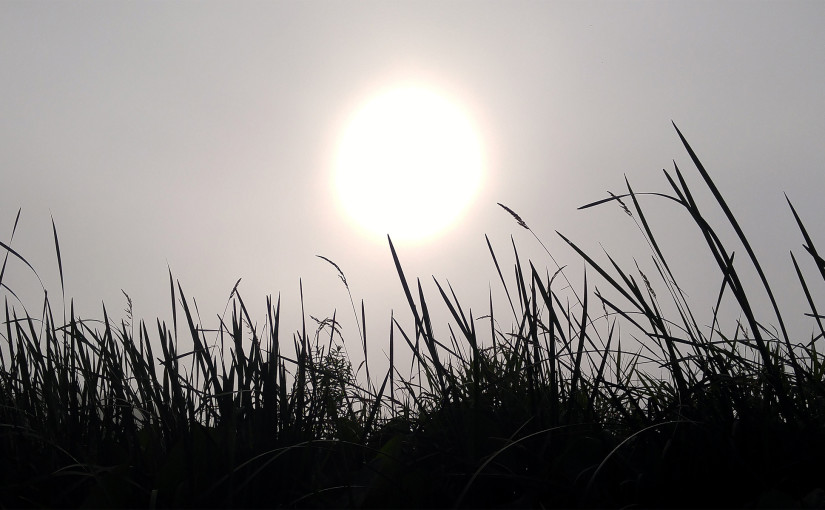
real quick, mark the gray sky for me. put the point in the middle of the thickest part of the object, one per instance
(199, 135)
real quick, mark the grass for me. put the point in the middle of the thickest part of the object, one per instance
(550, 412)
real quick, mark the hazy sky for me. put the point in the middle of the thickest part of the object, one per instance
(199, 135)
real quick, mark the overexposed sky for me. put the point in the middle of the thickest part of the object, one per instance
(200, 135)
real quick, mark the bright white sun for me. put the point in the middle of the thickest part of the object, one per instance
(408, 165)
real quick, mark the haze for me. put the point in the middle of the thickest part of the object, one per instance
(198, 137)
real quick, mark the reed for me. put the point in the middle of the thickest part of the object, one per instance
(550, 411)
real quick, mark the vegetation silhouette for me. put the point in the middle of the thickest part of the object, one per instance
(551, 412)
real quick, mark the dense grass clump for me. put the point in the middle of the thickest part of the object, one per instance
(550, 412)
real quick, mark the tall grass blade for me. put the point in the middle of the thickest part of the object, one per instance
(735, 224)
(11, 237)
(59, 260)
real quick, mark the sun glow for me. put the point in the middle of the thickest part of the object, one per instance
(408, 164)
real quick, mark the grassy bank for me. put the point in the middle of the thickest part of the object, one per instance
(549, 411)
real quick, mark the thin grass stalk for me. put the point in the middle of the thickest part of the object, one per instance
(501, 277)
(809, 299)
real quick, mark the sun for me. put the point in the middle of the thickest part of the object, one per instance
(408, 164)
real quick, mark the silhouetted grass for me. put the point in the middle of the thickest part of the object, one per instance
(549, 412)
